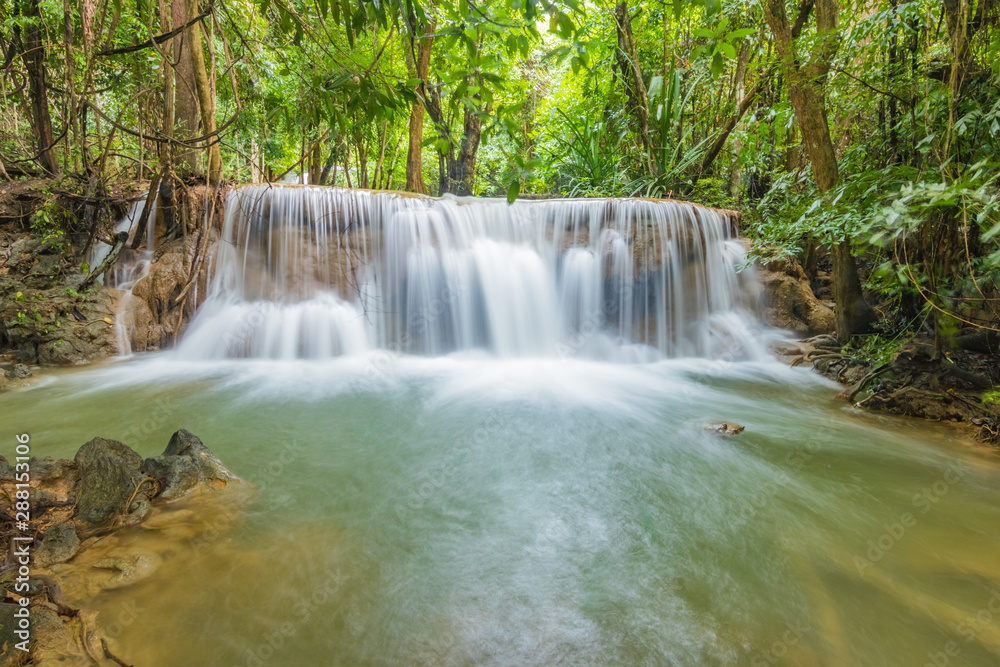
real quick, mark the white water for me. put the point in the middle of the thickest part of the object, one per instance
(308, 272)
(130, 267)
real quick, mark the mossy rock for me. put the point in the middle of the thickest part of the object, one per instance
(113, 489)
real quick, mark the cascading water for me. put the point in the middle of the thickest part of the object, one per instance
(130, 267)
(307, 272)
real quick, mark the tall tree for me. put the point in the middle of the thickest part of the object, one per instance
(206, 97)
(34, 62)
(807, 92)
(627, 58)
(185, 88)
(418, 55)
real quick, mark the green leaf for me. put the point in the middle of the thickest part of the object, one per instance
(513, 190)
(739, 34)
(718, 65)
(727, 49)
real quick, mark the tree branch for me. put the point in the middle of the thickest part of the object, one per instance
(159, 39)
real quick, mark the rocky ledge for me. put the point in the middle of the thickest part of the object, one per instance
(918, 381)
(82, 511)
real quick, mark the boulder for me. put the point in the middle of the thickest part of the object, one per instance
(18, 372)
(59, 544)
(9, 654)
(57, 325)
(789, 302)
(113, 489)
(186, 465)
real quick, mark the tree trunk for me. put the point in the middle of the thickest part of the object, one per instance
(806, 90)
(205, 100)
(414, 154)
(316, 164)
(34, 63)
(185, 90)
(628, 62)
(167, 126)
(462, 169)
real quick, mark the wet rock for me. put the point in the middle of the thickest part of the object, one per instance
(18, 372)
(59, 544)
(9, 654)
(128, 569)
(111, 481)
(48, 265)
(789, 302)
(21, 253)
(725, 428)
(185, 465)
(153, 313)
(57, 325)
(47, 469)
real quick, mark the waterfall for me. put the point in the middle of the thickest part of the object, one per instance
(311, 272)
(130, 267)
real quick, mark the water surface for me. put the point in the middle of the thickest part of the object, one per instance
(464, 510)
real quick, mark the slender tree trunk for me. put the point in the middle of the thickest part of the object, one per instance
(740, 93)
(627, 56)
(69, 113)
(205, 100)
(414, 154)
(167, 120)
(316, 164)
(806, 91)
(34, 63)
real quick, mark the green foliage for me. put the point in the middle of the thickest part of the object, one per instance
(47, 222)
(875, 349)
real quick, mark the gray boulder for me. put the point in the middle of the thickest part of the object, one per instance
(18, 372)
(185, 465)
(114, 491)
(59, 544)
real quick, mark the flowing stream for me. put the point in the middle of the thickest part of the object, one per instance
(466, 489)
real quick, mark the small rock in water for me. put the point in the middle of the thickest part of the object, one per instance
(58, 546)
(18, 372)
(128, 569)
(725, 428)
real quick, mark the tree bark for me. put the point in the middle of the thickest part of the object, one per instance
(167, 121)
(806, 90)
(627, 56)
(205, 100)
(185, 90)
(462, 169)
(34, 63)
(421, 47)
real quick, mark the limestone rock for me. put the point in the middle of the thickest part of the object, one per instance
(111, 483)
(185, 465)
(789, 302)
(725, 428)
(57, 325)
(59, 544)
(128, 569)
(18, 372)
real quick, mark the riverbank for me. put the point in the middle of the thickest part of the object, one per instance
(104, 520)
